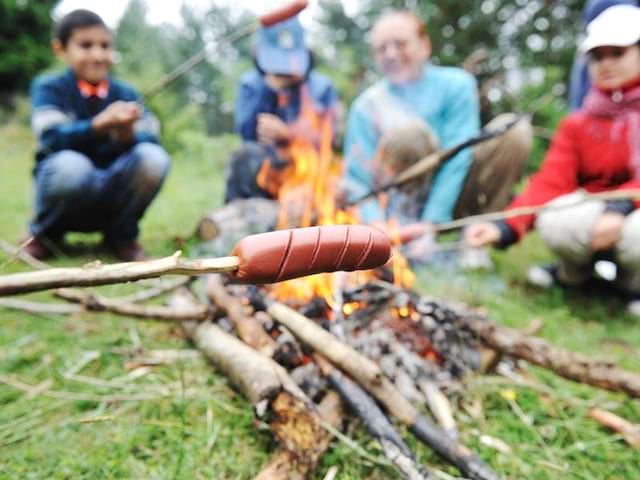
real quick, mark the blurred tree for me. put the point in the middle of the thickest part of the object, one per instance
(25, 43)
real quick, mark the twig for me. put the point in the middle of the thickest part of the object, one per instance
(629, 431)
(98, 303)
(18, 252)
(153, 292)
(40, 308)
(19, 283)
(27, 388)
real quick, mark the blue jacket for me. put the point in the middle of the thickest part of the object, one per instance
(446, 99)
(61, 118)
(255, 96)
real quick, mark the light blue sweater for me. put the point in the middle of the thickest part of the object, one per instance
(446, 99)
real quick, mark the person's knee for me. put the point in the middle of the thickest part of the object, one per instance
(153, 164)
(519, 138)
(628, 247)
(67, 173)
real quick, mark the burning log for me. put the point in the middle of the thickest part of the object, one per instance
(368, 374)
(377, 423)
(248, 328)
(538, 351)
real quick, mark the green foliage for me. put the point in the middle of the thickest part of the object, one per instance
(24, 43)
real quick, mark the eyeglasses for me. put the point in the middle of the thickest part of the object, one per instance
(381, 49)
(600, 53)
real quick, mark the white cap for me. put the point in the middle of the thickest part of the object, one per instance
(617, 26)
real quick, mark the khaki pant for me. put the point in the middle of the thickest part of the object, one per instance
(497, 163)
(567, 232)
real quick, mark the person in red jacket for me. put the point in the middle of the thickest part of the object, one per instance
(596, 149)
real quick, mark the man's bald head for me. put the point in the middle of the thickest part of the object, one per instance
(400, 45)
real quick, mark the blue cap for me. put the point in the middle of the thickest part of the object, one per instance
(281, 49)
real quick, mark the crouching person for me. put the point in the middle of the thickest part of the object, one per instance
(596, 149)
(98, 161)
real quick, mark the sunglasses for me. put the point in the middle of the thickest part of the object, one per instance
(599, 54)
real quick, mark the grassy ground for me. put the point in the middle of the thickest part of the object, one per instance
(194, 426)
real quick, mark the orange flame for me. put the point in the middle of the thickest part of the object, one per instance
(306, 189)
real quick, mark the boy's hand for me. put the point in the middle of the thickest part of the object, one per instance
(118, 114)
(271, 129)
(607, 231)
(123, 134)
(481, 234)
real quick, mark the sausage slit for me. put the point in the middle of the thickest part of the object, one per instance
(316, 249)
(285, 257)
(345, 247)
(365, 252)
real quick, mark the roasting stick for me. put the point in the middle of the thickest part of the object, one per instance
(264, 258)
(415, 230)
(266, 20)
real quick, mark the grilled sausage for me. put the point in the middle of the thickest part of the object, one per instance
(281, 255)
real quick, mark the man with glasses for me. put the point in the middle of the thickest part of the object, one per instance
(416, 108)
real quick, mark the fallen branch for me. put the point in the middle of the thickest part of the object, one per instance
(538, 351)
(40, 308)
(296, 423)
(156, 291)
(19, 283)
(369, 376)
(377, 423)
(17, 252)
(97, 303)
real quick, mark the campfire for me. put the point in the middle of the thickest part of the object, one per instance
(397, 348)
(304, 350)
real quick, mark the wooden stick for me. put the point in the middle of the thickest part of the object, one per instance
(40, 308)
(249, 329)
(415, 230)
(538, 351)
(629, 431)
(18, 252)
(377, 423)
(369, 376)
(97, 303)
(20, 283)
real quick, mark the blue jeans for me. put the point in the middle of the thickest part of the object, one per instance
(72, 194)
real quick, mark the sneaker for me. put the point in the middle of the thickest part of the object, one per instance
(38, 248)
(127, 251)
(633, 307)
(543, 276)
(475, 259)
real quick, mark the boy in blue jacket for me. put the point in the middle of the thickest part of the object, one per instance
(98, 161)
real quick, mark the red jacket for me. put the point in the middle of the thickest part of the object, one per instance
(584, 154)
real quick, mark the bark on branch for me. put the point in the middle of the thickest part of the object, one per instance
(538, 351)
(20, 283)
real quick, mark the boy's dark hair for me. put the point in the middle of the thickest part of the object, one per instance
(75, 20)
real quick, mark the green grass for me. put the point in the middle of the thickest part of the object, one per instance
(197, 427)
